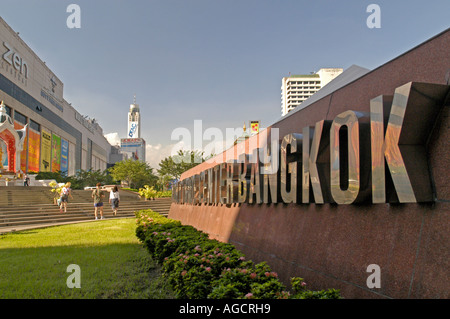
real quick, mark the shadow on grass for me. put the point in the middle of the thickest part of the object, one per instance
(122, 271)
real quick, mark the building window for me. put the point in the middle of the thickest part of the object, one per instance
(35, 126)
(22, 119)
(8, 110)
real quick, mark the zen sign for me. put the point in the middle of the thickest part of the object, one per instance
(375, 157)
(14, 59)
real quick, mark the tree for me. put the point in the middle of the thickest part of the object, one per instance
(174, 166)
(90, 178)
(135, 173)
(81, 179)
(163, 183)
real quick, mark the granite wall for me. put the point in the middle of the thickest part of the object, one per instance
(332, 245)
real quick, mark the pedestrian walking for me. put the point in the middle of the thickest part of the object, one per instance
(66, 192)
(97, 195)
(26, 180)
(114, 199)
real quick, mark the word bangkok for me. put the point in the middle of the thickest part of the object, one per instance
(378, 157)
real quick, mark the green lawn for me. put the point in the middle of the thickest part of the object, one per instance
(113, 263)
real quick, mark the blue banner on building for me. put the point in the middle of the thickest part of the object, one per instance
(64, 156)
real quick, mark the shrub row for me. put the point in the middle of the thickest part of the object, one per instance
(198, 267)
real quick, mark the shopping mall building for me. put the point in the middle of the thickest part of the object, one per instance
(56, 136)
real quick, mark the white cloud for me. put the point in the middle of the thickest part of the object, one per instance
(154, 154)
(113, 138)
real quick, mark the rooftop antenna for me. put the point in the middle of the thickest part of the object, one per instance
(134, 99)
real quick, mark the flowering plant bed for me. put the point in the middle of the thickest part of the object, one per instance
(198, 267)
(149, 192)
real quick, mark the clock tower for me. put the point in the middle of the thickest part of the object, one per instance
(134, 121)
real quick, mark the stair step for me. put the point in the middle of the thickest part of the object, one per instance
(19, 195)
(37, 208)
(70, 204)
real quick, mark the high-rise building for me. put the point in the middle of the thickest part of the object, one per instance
(297, 88)
(134, 121)
(133, 146)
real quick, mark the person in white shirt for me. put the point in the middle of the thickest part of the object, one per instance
(65, 193)
(114, 199)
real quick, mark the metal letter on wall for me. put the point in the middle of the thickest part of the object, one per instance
(309, 166)
(179, 195)
(223, 183)
(188, 190)
(348, 195)
(216, 184)
(377, 141)
(389, 146)
(269, 167)
(289, 167)
(255, 179)
(202, 189)
(196, 189)
(244, 173)
(211, 191)
(271, 181)
(415, 108)
(179, 192)
(191, 190)
(270, 185)
(232, 179)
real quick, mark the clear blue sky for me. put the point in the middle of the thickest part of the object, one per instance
(220, 61)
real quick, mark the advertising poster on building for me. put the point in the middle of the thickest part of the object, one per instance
(56, 153)
(133, 129)
(23, 154)
(3, 155)
(254, 127)
(71, 159)
(34, 145)
(64, 156)
(46, 149)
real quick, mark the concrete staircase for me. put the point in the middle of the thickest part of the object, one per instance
(33, 207)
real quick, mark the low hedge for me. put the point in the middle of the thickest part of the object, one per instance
(198, 267)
